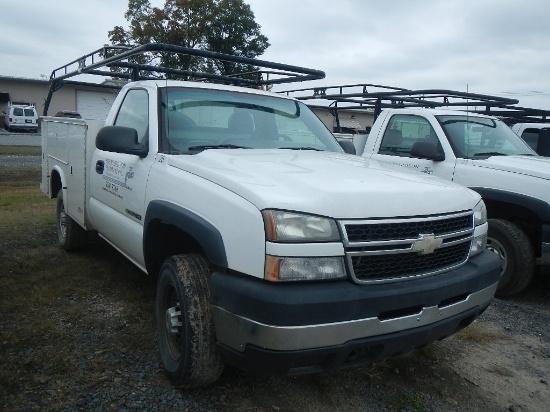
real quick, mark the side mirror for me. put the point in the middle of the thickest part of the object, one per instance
(543, 146)
(427, 150)
(120, 139)
(347, 145)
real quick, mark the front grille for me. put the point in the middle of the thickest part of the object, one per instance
(393, 250)
(405, 230)
(376, 267)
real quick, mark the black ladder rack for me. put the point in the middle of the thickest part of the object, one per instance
(376, 97)
(120, 62)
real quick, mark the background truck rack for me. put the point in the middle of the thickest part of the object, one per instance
(134, 64)
(375, 98)
(516, 114)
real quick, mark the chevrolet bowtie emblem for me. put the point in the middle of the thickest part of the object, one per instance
(426, 244)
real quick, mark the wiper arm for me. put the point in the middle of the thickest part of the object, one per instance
(216, 146)
(489, 154)
(302, 148)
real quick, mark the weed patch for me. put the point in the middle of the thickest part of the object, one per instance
(477, 334)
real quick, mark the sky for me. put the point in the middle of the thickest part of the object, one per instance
(494, 47)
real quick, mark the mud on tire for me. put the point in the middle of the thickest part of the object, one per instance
(185, 325)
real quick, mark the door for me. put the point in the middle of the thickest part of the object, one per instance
(118, 182)
(401, 133)
(94, 105)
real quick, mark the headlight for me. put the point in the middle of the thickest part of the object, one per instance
(480, 213)
(307, 268)
(281, 226)
(479, 242)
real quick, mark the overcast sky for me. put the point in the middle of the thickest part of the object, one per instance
(497, 47)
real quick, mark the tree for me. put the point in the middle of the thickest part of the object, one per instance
(234, 31)
(225, 26)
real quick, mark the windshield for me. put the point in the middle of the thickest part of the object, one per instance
(475, 137)
(194, 120)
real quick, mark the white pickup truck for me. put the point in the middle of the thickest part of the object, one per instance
(482, 153)
(274, 251)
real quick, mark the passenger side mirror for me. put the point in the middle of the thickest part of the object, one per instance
(348, 146)
(543, 147)
(120, 139)
(427, 150)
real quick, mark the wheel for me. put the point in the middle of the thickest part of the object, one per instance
(516, 253)
(185, 326)
(70, 234)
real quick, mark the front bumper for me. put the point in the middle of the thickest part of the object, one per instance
(308, 327)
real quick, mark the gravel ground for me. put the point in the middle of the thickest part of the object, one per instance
(19, 160)
(107, 360)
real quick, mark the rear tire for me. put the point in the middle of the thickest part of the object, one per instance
(516, 253)
(185, 325)
(71, 235)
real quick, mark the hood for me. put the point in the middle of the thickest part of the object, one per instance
(535, 166)
(325, 183)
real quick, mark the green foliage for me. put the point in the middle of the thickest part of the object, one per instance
(224, 26)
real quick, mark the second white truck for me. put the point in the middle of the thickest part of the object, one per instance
(418, 130)
(484, 154)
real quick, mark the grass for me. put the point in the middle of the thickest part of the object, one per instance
(21, 150)
(56, 308)
(476, 333)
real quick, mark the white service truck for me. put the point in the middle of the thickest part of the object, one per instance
(273, 250)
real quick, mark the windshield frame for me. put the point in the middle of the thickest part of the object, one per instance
(494, 136)
(193, 119)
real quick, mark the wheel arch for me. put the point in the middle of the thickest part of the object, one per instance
(527, 212)
(170, 229)
(57, 180)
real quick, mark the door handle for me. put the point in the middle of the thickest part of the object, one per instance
(100, 166)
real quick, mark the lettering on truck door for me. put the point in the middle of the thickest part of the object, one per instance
(118, 181)
(400, 135)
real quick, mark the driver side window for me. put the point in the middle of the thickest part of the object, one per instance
(402, 132)
(134, 112)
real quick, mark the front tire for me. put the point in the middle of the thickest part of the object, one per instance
(185, 325)
(71, 235)
(516, 253)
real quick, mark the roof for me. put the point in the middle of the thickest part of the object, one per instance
(23, 79)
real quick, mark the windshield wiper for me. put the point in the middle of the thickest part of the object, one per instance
(302, 148)
(216, 146)
(489, 154)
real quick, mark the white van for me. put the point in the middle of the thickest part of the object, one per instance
(21, 117)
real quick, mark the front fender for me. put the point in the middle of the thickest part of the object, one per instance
(538, 207)
(202, 231)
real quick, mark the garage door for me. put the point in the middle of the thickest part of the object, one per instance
(94, 105)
